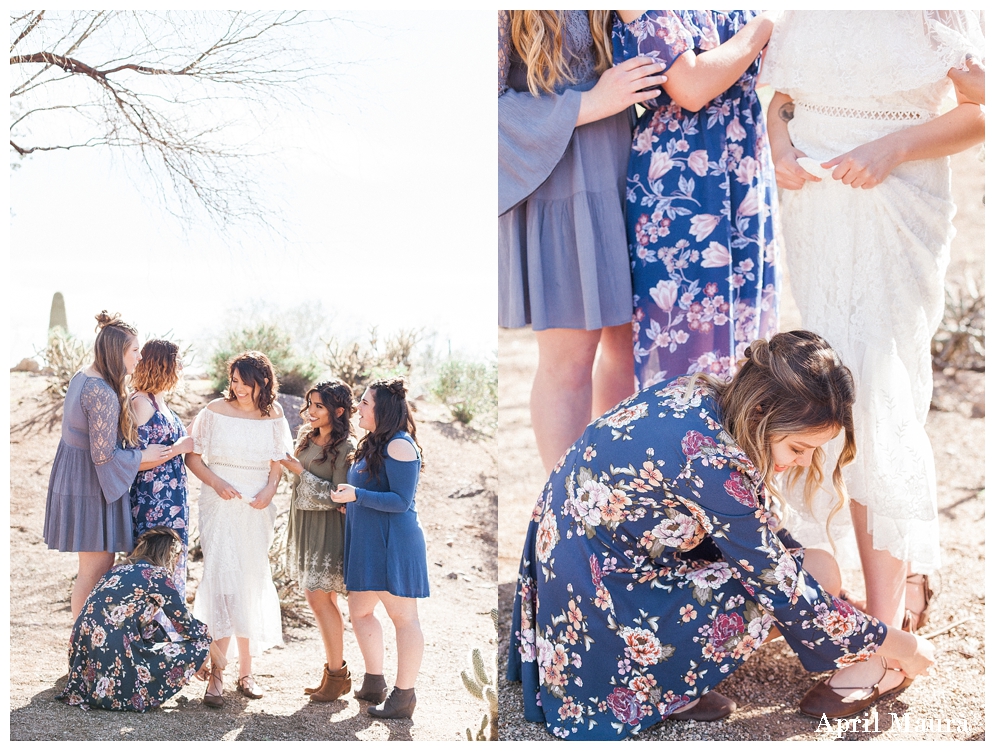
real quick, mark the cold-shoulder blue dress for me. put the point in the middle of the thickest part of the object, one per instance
(384, 542)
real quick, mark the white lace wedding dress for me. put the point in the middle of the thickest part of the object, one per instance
(866, 267)
(236, 596)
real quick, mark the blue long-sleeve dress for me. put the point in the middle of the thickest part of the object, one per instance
(384, 542)
(120, 657)
(700, 199)
(652, 570)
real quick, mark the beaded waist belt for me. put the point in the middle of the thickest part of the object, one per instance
(238, 466)
(851, 112)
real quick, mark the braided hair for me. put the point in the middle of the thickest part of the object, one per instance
(332, 394)
(391, 415)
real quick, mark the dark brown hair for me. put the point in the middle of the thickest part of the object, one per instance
(391, 415)
(114, 336)
(157, 546)
(254, 369)
(332, 394)
(156, 371)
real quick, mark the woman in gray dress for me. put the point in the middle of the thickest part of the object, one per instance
(564, 130)
(317, 525)
(88, 510)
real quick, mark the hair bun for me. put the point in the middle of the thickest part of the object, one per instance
(759, 352)
(105, 319)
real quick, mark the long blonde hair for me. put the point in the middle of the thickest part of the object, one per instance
(114, 336)
(792, 384)
(537, 36)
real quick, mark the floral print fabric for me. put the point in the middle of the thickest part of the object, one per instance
(652, 570)
(159, 495)
(120, 656)
(699, 201)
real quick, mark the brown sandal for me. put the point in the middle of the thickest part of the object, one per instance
(912, 622)
(215, 701)
(823, 701)
(253, 691)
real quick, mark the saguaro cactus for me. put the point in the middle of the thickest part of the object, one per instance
(57, 317)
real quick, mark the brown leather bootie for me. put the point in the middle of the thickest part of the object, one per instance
(334, 683)
(400, 703)
(374, 689)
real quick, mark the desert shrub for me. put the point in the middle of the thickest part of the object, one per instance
(468, 389)
(359, 364)
(960, 340)
(296, 374)
(64, 355)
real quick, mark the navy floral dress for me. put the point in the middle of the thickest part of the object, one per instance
(120, 657)
(699, 201)
(159, 495)
(652, 570)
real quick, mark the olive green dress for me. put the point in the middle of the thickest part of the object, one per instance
(317, 527)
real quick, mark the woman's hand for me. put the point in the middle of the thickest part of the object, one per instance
(225, 490)
(264, 497)
(922, 660)
(155, 454)
(867, 165)
(344, 493)
(292, 464)
(619, 87)
(969, 80)
(789, 174)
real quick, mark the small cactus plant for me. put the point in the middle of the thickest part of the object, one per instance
(482, 686)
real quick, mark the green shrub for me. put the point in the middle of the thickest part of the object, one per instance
(468, 389)
(296, 374)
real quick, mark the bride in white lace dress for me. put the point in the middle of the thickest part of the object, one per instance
(238, 441)
(860, 127)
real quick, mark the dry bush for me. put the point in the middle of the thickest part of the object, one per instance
(358, 364)
(960, 341)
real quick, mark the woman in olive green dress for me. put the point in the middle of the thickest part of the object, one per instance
(317, 525)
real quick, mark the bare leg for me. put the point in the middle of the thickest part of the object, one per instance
(614, 376)
(824, 569)
(325, 606)
(244, 657)
(403, 611)
(367, 629)
(561, 392)
(91, 567)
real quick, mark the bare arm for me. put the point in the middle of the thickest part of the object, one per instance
(785, 156)
(695, 80)
(265, 496)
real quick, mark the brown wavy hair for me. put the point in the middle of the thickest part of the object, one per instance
(537, 36)
(114, 337)
(792, 384)
(158, 546)
(255, 369)
(333, 394)
(391, 415)
(157, 370)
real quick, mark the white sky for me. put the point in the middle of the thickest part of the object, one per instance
(386, 199)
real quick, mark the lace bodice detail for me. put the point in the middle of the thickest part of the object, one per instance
(239, 442)
(103, 410)
(578, 47)
(873, 59)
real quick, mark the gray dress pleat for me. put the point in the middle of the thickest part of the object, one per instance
(88, 508)
(563, 259)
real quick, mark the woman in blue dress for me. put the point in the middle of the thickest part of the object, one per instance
(654, 566)
(120, 657)
(700, 194)
(385, 558)
(159, 493)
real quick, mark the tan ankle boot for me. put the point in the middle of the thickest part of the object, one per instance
(334, 683)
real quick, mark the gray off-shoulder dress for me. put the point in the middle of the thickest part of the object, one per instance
(563, 258)
(88, 507)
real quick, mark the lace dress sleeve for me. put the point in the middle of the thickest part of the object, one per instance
(533, 131)
(314, 494)
(283, 443)
(201, 432)
(116, 467)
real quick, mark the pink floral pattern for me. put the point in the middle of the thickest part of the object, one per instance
(653, 568)
(699, 207)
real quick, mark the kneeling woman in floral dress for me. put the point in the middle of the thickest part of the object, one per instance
(654, 566)
(120, 657)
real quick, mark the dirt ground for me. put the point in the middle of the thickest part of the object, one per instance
(457, 503)
(769, 686)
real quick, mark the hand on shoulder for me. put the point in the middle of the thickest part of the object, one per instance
(401, 450)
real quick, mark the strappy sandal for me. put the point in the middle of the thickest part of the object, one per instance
(215, 701)
(823, 701)
(248, 687)
(912, 622)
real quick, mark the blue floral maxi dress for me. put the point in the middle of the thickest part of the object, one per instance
(651, 571)
(119, 655)
(159, 495)
(699, 201)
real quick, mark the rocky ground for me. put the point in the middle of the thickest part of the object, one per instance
(949, 704)
(457, 503)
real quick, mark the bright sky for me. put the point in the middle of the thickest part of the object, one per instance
(385, 189)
